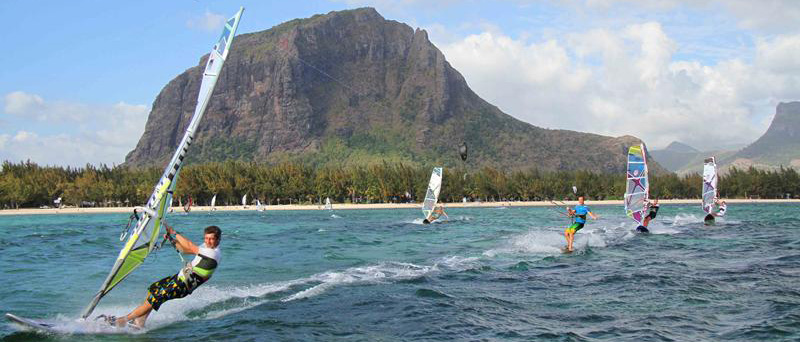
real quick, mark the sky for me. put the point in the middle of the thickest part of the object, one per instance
(79, 77)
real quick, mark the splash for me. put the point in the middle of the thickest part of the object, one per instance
(211, 302)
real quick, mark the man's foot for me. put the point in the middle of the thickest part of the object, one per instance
(111, 320)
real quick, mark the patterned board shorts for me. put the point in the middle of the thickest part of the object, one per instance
(574, 227)
(166, 289)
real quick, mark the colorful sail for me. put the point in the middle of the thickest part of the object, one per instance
(432, 195)
(144, 236)
(709, 184)
(637, 189)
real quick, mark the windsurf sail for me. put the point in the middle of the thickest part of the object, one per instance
(244, 200)
(637, 189)
(432, 195)
(328, 205)
(709, 184)
(144, 235)
(258, 206)
(213, 202)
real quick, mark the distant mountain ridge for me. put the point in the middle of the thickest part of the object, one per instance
(680, 147)
(780, 144)
(676, 156)
(778, 147)
(353, 87)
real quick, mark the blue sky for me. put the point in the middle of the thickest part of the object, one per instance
(81, 76)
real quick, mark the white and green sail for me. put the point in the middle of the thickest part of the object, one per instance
(432, 194)
(145, 234)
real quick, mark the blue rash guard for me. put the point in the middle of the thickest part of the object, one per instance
(580, 213)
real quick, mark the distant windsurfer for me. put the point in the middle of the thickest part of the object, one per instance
(437, 212)
(650, 215)
(183, 283)
(710, 218)
(579, 214)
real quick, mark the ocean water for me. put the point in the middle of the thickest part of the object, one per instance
(489, 274)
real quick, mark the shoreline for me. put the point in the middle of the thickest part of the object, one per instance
(347, 206)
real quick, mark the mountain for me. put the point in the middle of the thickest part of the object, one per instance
(353, 87)
(780, 144)
(676, 156)
(680, 147)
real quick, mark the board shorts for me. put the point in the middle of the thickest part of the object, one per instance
(574, 228)
(165, 289)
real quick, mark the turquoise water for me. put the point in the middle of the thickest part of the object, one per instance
(491, 274)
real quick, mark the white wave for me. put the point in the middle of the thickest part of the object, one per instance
(550, 241)
(253, 295)
(660, 228)
(457, 263)
(72, 325)
(685, 219)
(383, 272)
(546, 242)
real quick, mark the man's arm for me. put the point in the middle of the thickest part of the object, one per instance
(182, 244)
(593, 216)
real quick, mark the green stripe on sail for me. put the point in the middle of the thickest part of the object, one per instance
(134, 259)
(137, 255)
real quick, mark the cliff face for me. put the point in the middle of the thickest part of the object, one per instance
(350, 87)
(781, 141)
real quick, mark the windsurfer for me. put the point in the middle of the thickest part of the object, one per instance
(579, 213)
(710, 218)
(437, 212)
(722, 208)
(650, 215)
(183, 283)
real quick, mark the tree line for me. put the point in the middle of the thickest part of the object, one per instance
(27, 184)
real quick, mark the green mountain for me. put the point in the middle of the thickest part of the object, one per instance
(780, 144)
(352, 87)
(676, 156)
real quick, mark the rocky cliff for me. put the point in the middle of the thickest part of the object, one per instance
(350, 87)
(780, 144)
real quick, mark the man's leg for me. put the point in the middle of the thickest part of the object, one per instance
(138, 315)
(570, 235)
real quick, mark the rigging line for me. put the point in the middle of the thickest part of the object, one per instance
(328, 75)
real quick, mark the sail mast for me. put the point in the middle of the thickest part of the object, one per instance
(142, 240)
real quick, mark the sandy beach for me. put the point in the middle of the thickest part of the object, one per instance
(347, 206)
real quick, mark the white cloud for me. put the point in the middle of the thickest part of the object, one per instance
(628, 81)
(779, 55)
(21, 103)
(769, 15)
(763, 15)
(63, 133)
(211, 22)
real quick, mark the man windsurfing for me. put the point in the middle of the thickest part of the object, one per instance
(710, 218)
(650, 215)
(437, 212)
(181, 284)
(579, 215)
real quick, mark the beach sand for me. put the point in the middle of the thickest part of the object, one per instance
(347, 206)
